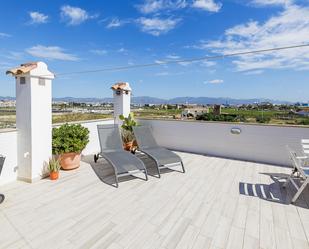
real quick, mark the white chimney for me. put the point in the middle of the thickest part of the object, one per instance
(122, 100)
(33, 119)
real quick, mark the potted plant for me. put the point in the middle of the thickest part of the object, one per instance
(127, 138)
(68, 142)
(54, 167)
(127, 131)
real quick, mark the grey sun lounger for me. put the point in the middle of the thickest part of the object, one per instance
(123, 162)
(147, 144)
(302, 172)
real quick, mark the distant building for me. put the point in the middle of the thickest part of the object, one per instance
(304, 113)
(190, 105)
(217, 110)
(7, 103)
(193, 112)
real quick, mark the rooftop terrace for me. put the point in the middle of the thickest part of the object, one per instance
(217, 203)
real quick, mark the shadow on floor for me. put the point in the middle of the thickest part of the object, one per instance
(274, 191)
(151, 166)
(106, 174)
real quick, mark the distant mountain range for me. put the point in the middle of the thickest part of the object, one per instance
(202, 100)
(177, 100)
(7, 98)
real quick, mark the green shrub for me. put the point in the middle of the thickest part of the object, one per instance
(304, 121)
(221, 117)
(262, 119)
(69, 138)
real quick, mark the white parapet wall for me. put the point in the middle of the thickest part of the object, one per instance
(93, 146)
(8, 148)
(257, 143)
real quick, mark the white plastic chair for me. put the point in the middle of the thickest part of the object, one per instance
(301, 171)
(305, 146)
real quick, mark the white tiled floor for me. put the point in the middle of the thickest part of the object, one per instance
(217, 203)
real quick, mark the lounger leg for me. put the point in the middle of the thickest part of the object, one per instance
(302, 187)
(288, 180)
(96, 157)
(1, 198)
(183, 167)
(158, 168)
(116, 178)
(146, 175)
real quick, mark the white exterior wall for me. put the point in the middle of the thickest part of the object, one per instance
(257, 143)
(93, 146)
(33, 121)
(122, 105)
(23, 124)
(8, 148)
(41, 127)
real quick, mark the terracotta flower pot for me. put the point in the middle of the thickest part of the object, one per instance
(135, 143)
(128, 146)
(54, 175)
(70, 161)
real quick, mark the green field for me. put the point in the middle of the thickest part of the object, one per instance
(280, 117)
(158, 113)
(8, 119)
(71, 117)
(283, 117)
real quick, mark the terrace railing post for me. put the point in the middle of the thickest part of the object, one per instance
(122, 100)
(33, 119)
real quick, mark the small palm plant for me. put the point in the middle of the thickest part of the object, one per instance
(54, 167)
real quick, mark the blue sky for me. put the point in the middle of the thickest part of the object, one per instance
(81, 35)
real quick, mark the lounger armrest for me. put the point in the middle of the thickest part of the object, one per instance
(302, 157)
